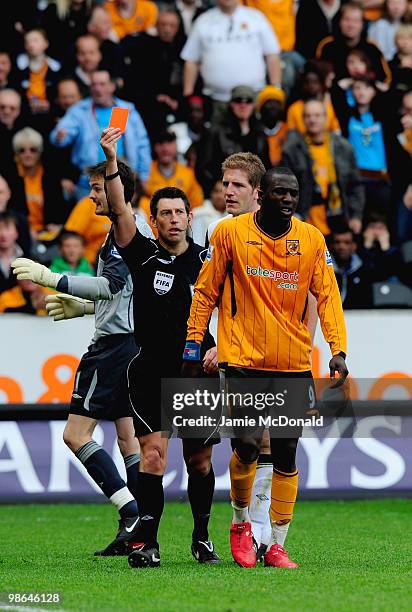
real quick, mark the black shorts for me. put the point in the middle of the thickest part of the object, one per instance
(145, 376)
(100, 389)
(261, 399)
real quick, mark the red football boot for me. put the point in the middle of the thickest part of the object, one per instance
(241, 544)
(277, 556)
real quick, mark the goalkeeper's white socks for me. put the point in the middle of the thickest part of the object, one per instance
(260, 500)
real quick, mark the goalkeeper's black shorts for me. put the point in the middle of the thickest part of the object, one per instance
(100, 388)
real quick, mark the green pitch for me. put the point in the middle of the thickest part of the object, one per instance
(353, 555)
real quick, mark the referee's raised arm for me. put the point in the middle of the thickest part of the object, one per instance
(123, 222)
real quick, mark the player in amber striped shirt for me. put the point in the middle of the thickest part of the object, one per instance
(261, 267)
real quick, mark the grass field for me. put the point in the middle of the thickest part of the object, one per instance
(353, 555)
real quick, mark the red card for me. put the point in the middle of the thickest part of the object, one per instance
(119, 117)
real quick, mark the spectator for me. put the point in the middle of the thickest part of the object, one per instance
(270, 107)
(64, 21)
(188, 133)
(93, 228)
(37, 72)
(84, 121)
(313, 86)
(166, 171)
(377, 252)
(401, 64)
(353, 276)
(71, 260)
(189, 11)
(367, 126)
(357, 65)
(6, 77)
(154, 62)
(335, 49)
(8, 203)
(320, 18)
(100, 26)
(11, 121)
(238, 131)
(89, 59)
(67, 94)
(404, 217)
(281, 16)
(9, 250)
(211, 210)
(324, 164)
(230, 45)
(131, 16)
(45, 204)
(383, 31)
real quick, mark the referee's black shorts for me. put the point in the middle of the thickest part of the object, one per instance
(100, 389)
(145, 376)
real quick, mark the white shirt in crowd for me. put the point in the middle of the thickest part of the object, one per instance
(231, 50)
(202, 218)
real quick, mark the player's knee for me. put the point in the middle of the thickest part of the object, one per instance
(284, 454)
(247, 450)
(74, 440)
(200, 465)
(153, 460)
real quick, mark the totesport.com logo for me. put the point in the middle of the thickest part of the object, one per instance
(276, 275)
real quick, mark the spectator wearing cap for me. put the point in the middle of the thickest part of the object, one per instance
(312, 86)
(270, 108)
(334, 49)
(230, 45)
(237, 131)
(324, 164)
(131, 16)
(83, 123)
(166, 171)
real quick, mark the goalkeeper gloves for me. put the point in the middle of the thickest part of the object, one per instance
(62, 306)
(26, 269)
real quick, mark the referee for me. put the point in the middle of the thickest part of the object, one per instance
(164, 272)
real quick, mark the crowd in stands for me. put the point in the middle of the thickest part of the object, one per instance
(321, 86)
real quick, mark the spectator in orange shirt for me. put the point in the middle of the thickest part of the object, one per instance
(166, 171)
(270, 107)
(37, 72)
(131, 16)
(93, 228)
(44, 197)
(313, 87)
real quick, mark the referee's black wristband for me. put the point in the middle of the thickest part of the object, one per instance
(110, 177)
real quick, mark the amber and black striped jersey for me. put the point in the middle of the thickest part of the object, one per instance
(262, 285)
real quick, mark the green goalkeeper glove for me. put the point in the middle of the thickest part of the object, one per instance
(26, 269)
(62, 306)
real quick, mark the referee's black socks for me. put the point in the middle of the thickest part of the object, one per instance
(102, 469)
(151, 501)
(200, 491)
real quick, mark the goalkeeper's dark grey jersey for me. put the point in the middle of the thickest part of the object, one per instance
(111, 289)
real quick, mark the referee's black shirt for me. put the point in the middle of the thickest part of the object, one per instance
(162, 295)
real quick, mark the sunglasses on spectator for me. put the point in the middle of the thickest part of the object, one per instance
(243, 100)
(30, 149)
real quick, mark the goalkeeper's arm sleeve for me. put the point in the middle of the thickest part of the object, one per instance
(87, 287)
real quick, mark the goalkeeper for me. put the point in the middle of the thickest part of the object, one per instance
(100, 389)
